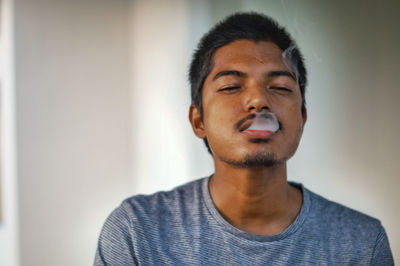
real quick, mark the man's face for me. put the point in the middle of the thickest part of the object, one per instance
(249, 77)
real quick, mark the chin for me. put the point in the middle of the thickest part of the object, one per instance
(257, 160)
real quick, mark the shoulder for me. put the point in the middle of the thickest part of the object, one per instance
(336, 215)
(346, 232)
(141, 221)
(154, 212)
(149, 209)
(163, 201)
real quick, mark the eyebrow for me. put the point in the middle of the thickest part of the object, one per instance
(278, 73)
(230, 73)
(271, 74)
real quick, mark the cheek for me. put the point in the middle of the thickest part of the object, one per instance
(216, 126)
(220, 114)
(291, 119)
(219, 124)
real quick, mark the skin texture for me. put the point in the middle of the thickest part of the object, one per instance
(255, 199)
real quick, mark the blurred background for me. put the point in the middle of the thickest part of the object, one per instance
(94, 102)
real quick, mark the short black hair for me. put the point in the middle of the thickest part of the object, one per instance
(241, 26)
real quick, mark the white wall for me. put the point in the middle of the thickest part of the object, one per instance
(165, 151)
(8, 188)
(73, 124)
(162, 138)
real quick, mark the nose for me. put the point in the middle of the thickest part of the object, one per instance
(256, 99)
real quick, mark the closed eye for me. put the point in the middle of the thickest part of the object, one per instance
(229, 89)
(282, 89)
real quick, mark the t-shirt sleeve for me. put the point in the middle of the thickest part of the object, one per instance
(115, 242)
(382, 254)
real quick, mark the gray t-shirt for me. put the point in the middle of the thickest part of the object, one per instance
(183, 227)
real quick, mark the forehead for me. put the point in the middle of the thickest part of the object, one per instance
(248, 52)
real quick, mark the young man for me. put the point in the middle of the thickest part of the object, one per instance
(248, 84)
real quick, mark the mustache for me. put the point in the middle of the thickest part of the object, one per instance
(252, 116)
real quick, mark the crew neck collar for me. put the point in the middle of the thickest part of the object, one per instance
(240, 233)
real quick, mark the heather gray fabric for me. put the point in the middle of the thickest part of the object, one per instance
(183, 227)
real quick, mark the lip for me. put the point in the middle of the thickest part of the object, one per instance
(258, 134)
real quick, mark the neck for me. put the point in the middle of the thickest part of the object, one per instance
(255, 200)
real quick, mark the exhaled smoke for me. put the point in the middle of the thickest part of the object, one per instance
(290, 60)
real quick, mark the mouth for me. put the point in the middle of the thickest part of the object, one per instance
(258, 134)
(260, 125)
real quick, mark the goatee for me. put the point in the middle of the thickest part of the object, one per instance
(258, 160)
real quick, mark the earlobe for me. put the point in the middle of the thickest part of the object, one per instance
(196, 122)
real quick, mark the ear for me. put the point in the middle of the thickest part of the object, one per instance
(304, 116)
(195, 121)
